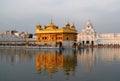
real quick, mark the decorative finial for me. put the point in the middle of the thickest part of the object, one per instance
(51, 21)
(67, 23)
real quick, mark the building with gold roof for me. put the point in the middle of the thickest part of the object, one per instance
(52, 35)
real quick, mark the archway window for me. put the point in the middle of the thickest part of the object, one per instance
(45, 38)
(42, 37)
(67, 38)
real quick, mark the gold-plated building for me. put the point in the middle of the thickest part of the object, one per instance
(53, 35)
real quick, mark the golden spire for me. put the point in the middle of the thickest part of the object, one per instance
(51, 22)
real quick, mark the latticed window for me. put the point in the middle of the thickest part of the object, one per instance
(45, 38)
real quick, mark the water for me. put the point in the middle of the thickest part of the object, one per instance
(98, 64)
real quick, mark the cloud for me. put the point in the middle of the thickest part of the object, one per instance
(32, 11)
(24, 8)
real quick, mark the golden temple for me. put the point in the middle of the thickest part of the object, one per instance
(53, 35)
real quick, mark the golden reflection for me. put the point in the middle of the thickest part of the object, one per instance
(49, 62)
(53, 61)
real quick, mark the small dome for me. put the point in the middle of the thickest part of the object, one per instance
(67, 24)
(73, 25)
(38, 25)
(50, 25)
(89, 25)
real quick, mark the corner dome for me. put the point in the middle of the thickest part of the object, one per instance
(67, 24)
(38, 25)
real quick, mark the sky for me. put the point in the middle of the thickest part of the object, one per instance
(24, 15)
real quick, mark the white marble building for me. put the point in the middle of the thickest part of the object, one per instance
(108, 39)
(88, 36)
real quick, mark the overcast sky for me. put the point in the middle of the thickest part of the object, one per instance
(23, 15)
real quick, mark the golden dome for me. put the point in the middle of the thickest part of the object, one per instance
(73, 25)
(38, 25)
(67, 24)
(51, 26)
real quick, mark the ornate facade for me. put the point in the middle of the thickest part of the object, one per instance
(53, 35)
(89, 37)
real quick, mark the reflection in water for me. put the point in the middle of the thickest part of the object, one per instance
(90, 55)
(108, 54)
(53, 61)
(87, 57)
(68, 62)
(15, 55)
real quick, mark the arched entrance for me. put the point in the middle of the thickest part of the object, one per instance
(87, 42)
(83, 42)
(92, 43)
